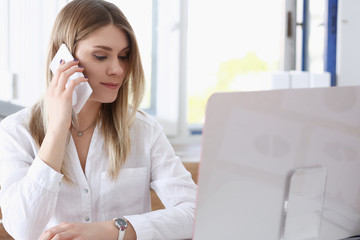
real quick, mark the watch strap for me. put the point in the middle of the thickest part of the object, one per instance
(122, 227)
(121, 234)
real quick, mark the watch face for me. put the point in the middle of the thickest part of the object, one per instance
(120, 223)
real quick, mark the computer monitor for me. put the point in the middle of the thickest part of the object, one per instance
(280, 164)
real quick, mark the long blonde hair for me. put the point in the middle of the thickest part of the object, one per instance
(76, 21)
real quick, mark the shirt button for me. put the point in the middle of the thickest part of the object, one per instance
(87, 219)
(86, 190)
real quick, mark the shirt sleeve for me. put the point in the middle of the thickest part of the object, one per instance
(29, 187)
(177, 191)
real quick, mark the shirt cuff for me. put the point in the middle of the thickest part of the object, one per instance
(143, 228)
(45, 175)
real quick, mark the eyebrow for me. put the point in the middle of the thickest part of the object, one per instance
(109, 48)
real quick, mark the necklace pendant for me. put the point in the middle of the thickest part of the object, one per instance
(80, 134)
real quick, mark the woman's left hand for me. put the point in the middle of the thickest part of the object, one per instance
(88, 231)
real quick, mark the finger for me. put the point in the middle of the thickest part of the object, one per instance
(55, 78)
(64, 236)
(75, 82)
(62, 67)
(65, 65)
(64, 76)
(51, 232)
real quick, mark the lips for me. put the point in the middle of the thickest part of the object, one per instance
(110, 85)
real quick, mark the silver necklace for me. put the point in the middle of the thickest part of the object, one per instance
(80, 133)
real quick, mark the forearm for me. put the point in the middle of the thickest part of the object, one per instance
(172, 223)
(28, 204)
(90, 231)
(53, 148)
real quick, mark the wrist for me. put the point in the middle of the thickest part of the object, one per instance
(111, 230)
(60, 131)
(128, 234)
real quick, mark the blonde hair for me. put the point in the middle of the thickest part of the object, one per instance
(76, 21)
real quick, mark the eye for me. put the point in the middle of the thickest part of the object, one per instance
(99, 57)
(123, 57)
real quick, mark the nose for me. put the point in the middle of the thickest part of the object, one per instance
(116, 67)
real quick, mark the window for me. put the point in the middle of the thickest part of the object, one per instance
(230, 46)
(316, 35)
(233, 45)
(189, 49)
(27, 26)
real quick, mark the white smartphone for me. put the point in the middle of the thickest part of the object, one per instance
(82, 91)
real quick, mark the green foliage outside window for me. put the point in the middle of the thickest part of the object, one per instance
(227, 75)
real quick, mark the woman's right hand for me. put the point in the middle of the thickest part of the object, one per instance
(59, 94)
(58, 101)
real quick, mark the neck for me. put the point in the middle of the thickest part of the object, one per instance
(88, 114)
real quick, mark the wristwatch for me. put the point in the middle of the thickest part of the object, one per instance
(121, 224)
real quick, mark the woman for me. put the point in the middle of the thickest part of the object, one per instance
(68, 177)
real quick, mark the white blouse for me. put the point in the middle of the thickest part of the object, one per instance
(34, 197)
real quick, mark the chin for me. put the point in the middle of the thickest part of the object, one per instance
(105, 99)
(109, 100)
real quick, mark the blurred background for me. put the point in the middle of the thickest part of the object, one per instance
(193, 48)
